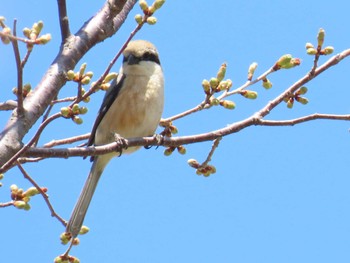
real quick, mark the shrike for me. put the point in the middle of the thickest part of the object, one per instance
(132, 107)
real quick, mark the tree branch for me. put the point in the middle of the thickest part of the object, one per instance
(104, 24)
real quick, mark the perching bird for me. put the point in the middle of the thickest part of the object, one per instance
(132, 107)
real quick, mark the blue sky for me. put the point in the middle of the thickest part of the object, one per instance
(280, 194)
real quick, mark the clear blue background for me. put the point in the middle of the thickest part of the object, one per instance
(280, 194)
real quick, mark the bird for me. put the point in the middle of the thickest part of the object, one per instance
(132, 107)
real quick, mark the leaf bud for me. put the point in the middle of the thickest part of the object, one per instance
(221, 73)
(328, 50)
(301, 91)
(82, 69)
(214, 82)
(143, 5)
(26, 32)
(105, 86)
(214, 101)
(158, 4)
(70, 74)
(168, 151)
(284, 61)
(311, 51)
(228, 104)
(267, 84)
(65, 237)
(84, 230)
(302, 100)
(85, 80)
(249, 94)
(66, 111)
(75, 108)
(83, 110)
(77, 120)
(206, 86)
(251, 70)
(110, 76)
(151, 20)
(320, 37)
(138, 19)
(193, 163)
(181, 149)
(44, 39)
(290, 103)
(31, 191)
(309, 45)
(20, 204)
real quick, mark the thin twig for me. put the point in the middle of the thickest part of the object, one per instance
(67, 140)
(44, 195)
(211, 153)
(63, 19)
(14, 42)
(8, 105)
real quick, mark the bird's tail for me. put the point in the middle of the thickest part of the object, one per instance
(77, 218)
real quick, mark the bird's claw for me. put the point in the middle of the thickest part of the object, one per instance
(122, 143)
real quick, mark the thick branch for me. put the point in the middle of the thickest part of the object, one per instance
(104, 24)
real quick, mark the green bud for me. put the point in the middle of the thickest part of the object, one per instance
(168, 151)
(31, 191)
(173, 129)
(110, 76)
(138, 19)
(143, 4)
(14, 188)
(193, 163)
(290, 103)
(82, 69)
(309, 45)
(44, 39)
(221, 73)
(328, 50)
(320, 37)
(227, 104)
(302, 100)
(86, 80)
(20, 204)
(158, 4)
(74, 260)
(214, 101)
(65, 238)
(89, 74)
(229, 84)
(301, 91)
(311, 51)
(75, 108)
(293, 62)
(214, 82)
(181, 149)
(77, 120)
(2, 176)
(251, 70)
(37, 27)
(83, 230)
(249, 94)
(223, 85)
(83, 110)
(267, 84)
(70, 74)
(66, 111)
(206, 86)
(26, 32)
(105, 86)
(284, 60)
(151, 20)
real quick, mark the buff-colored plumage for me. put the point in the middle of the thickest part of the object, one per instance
(135, 112)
